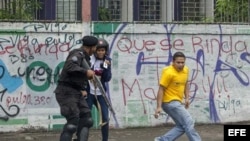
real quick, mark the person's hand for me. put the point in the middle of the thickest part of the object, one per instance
(187, 103)
(107, 62)
(90, 74)
(157, 112)
(84, 93)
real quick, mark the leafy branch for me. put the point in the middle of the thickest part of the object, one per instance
(231, 11)
(20, 10)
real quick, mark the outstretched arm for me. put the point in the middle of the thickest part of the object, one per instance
(159, 100)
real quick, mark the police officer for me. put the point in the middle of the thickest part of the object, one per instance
(70, 91)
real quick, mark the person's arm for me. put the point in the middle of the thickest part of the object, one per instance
(186, 93)
(73, 64)
(164, 82)
(159, 100)
(107, 75)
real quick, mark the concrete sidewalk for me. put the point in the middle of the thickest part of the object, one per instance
(208, 132)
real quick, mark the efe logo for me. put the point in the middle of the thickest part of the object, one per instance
(236, 132)
(239, 132)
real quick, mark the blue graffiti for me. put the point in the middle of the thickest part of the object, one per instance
(227, 67)
(200, 59)
(116, 35)
(141, 61)
(169, 32)
(7, 81)
(212, 109)
(111, 47)
(220, 66)
(246, 57)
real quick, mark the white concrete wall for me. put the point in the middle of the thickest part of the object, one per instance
(218, 57)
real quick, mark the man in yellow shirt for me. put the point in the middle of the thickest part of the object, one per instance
(172, 90)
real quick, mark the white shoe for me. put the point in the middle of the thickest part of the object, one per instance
(157, 139)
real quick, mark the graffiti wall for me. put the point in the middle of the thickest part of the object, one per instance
(32, 56)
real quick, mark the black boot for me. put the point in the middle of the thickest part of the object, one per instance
(68, 131)
(84, 134)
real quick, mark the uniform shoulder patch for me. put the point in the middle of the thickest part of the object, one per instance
(74, 59)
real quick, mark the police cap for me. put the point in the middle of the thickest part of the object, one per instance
(89, 41)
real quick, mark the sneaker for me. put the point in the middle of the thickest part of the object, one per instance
(157, 139)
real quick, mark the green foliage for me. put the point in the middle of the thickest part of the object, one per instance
(20, 10)
(231, 11)
(207, 20)
(104, 14)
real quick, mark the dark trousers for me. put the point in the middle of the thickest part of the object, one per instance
(105, 113)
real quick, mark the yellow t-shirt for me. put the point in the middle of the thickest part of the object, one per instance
(174, 83)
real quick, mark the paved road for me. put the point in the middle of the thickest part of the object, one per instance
(208, 132)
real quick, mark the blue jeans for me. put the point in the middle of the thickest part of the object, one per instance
(183, 122)
(91, 99)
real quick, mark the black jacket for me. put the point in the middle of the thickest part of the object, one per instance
(73, 74)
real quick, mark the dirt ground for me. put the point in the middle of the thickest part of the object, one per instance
(208, 132)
